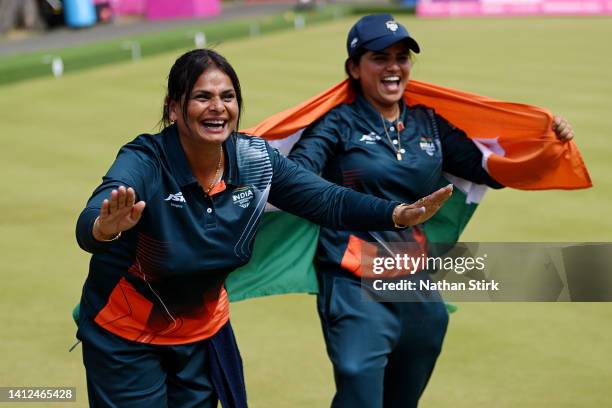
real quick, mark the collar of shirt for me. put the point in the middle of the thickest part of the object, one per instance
(178, 160)
(373, 117)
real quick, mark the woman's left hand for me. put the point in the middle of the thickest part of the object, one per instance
(563, 130)
(422, 210)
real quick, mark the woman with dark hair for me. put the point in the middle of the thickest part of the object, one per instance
(383, 353)
(154, 314)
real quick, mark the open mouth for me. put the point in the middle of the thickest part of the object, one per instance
(214, 125)
(391, 83)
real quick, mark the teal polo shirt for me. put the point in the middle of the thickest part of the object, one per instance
(162, 275)
(353, 146)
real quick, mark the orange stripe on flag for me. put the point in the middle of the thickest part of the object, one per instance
(533, 158)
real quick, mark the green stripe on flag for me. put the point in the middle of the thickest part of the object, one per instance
(285, 246)
(282, 259)
(449, 222)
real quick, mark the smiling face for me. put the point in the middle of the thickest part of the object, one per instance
(212, 109)
(383, 75)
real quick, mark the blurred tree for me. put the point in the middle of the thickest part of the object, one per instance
(19, 13)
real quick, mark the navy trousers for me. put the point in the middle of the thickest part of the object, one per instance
(126, 374)
(383, 353)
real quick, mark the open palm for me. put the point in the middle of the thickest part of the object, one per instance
(119, 213)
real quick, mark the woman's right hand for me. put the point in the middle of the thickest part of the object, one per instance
(118, 214)
(423, 209)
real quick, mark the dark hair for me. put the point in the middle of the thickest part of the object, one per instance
(185, 73)
(356, 59)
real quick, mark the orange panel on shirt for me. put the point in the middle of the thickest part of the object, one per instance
(127, 312)
(357, 251)
(359, 256)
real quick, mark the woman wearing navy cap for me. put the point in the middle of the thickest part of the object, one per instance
(383, 353)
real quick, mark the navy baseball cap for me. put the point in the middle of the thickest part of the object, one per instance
(377, 32)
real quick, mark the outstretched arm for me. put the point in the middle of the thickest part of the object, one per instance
(114, 206)
(301, 192)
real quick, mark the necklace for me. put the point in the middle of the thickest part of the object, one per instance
(398, 150)
(217, 173)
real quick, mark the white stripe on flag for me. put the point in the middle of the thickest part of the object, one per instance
(473, 192)
(284, 146)
(488, 146)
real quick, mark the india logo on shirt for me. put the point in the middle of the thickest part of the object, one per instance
(242, 196)
(427, 145)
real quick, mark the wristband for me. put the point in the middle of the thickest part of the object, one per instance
(116, 237)
(395, 215)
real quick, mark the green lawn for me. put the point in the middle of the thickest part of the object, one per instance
(21, 67)
(59, 136)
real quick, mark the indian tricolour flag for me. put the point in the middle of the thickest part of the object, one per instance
(519, 151)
